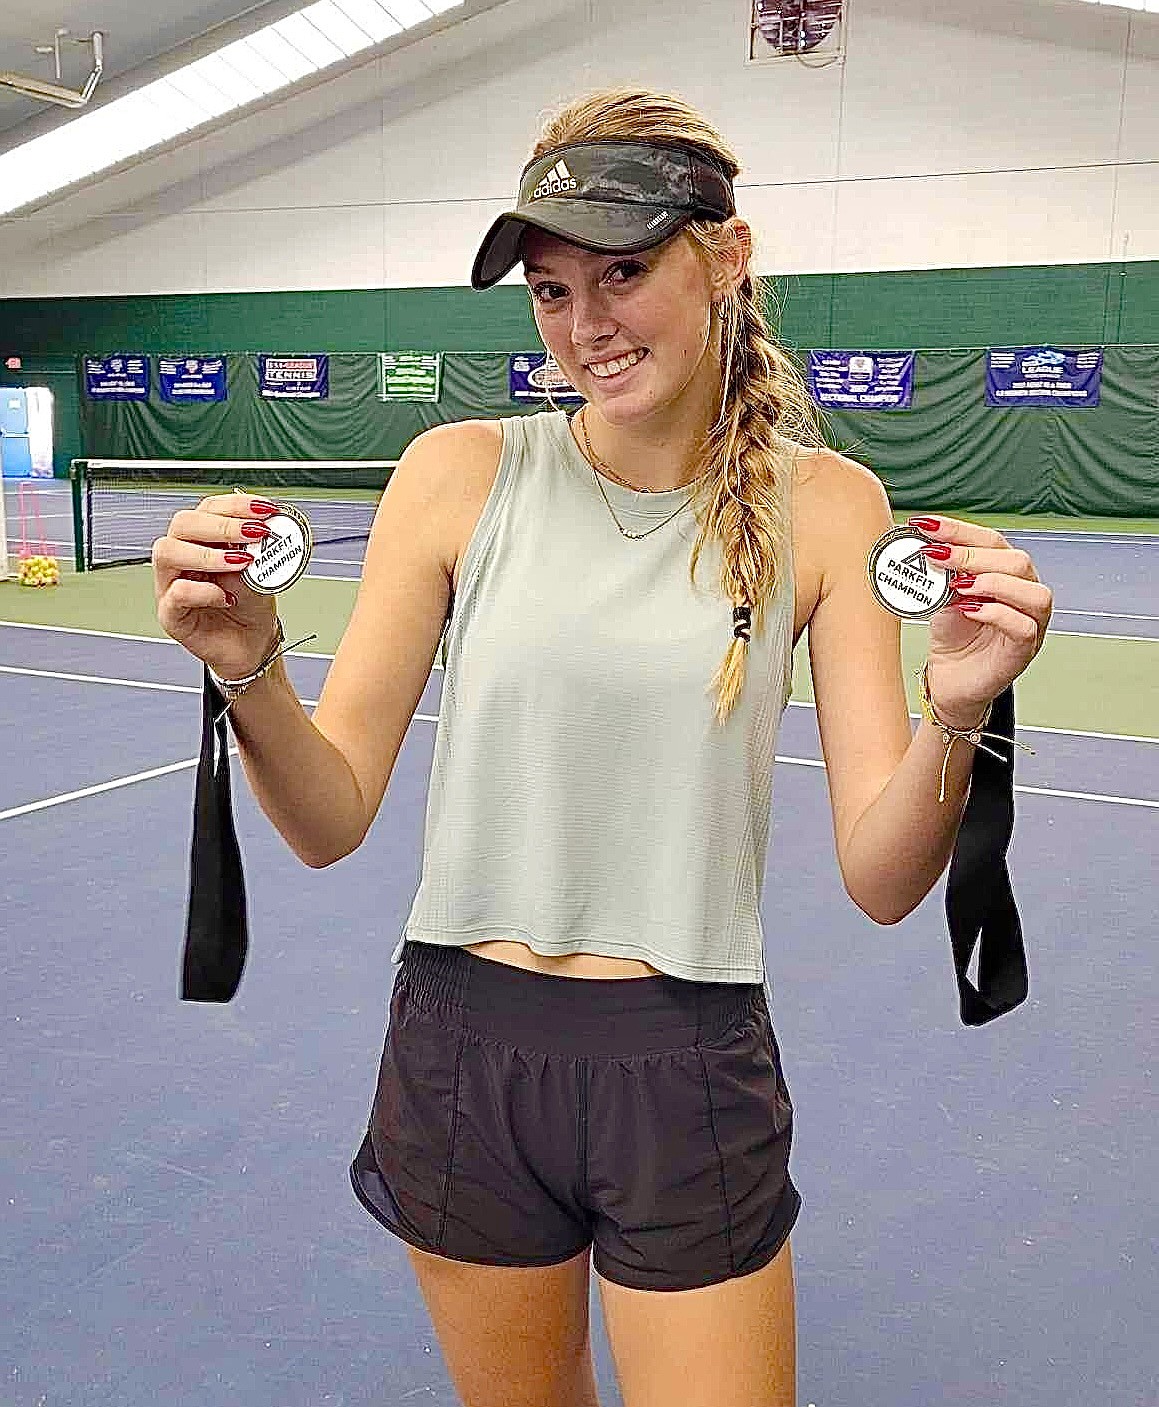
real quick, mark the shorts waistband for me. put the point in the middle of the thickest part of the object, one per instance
(574, 1015)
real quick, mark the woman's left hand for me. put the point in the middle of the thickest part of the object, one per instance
(995, 625)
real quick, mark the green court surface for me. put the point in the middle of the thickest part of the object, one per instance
(1080, 682)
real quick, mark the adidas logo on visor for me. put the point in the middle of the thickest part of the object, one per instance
(557, 180)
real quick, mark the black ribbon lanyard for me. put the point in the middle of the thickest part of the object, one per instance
(980, 907)
(216, 929)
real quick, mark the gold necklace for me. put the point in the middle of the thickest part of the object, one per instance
(594, 460)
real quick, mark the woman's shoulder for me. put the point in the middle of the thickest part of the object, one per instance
(823, 472)
(839, 506)
(457, 439)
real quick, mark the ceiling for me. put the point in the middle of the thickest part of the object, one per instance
(135, 32)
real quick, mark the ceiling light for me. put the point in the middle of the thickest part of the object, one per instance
(232, 77)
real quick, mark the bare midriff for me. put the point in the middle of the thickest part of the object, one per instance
(569, 965)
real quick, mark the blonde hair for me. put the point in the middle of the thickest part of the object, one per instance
(766, 414)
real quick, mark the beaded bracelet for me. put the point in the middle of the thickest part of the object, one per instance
(950, 735)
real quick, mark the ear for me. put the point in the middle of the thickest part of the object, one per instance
(731, 264)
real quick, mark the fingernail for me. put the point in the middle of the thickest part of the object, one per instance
(968, 605)
(962, 581)
(240, 559)
(230, 599)
(254, 530)
(937, 550)
(928, 525)
(262, 508)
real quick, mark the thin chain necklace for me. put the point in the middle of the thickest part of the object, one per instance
(594, 460)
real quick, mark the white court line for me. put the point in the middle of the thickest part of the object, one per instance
(118, 782)
(1101, 635)
(1104, 615)
(99, 679)
(100, 787)
(320, 655)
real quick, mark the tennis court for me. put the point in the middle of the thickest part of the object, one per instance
(979, 1218)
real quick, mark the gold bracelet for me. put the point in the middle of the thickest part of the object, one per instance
(950, 734)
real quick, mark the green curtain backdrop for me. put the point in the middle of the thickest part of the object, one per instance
(949, 450)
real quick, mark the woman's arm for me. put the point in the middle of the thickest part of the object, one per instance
(894, 837)
(321, 781)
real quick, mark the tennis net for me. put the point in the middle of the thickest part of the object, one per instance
(121, 506)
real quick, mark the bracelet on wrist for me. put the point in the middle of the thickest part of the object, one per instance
(232, 689)
(950, 734)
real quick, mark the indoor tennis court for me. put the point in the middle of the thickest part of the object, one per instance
(979, 1222)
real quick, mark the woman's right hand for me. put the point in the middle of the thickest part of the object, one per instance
(201, 600)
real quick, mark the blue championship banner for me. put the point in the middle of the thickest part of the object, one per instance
(531, 375)
(1043, 376)
(117, 378)
(862, 380)
(191, 379)
(294, 378)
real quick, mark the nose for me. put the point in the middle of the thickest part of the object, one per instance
(591, 322)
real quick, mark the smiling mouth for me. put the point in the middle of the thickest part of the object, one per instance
(616, 366)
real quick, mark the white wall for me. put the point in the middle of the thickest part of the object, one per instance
(963, 133)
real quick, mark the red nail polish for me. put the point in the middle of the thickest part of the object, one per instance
(962, 581)
(968, 605)
(263, 509)
(938, 551)
(254, 530)
(239, 559)
(926, 525)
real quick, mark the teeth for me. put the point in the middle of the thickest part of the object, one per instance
(613, 368)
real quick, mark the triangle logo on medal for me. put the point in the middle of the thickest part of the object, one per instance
(903, 579)
(282, 556)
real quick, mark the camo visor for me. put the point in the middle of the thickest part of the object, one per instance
(609, 197)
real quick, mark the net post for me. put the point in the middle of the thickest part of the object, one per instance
(76, 475)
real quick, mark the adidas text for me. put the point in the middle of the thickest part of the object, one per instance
(557, 180)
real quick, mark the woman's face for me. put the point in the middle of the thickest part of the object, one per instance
(631, 332)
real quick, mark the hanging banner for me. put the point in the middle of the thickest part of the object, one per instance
(1043, 376)
(294, 378)
(117, 378)
(410, 376)
(531, 375)
(191, 379)
(862, 380)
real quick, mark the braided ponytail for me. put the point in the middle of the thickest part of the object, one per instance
(767, 415)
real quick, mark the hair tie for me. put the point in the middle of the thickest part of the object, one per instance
(742, 619)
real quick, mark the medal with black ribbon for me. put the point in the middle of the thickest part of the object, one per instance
(981, 913)
(216, 925)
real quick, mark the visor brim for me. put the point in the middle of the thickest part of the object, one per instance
(601, 227)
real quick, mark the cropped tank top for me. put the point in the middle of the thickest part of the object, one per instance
(583, 797)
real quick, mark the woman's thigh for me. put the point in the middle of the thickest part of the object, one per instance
(720, 1345)
(512, 1336)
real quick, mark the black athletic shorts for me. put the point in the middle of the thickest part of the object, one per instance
(519, 1118)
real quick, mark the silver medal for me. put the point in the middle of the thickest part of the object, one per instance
(282, 556)
(903, 579)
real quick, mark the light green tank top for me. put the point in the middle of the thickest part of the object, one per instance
(583, 798)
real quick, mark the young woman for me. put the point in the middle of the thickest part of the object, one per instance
(580, 1067)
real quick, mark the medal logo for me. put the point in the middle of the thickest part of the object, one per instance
(903, 579)
(283, 556)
